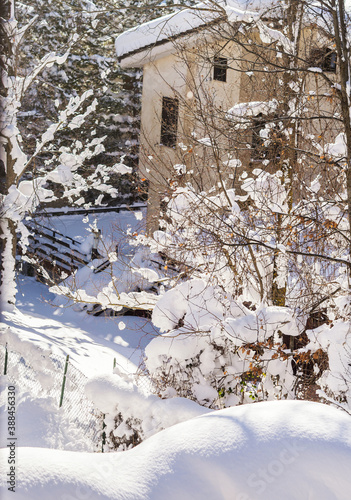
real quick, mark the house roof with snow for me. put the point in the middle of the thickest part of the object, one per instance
(155, 37)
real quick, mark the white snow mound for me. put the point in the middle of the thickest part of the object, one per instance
(275, 450)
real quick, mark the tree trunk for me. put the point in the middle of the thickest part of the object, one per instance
(288, 148)
(8, 239)
(343, 55)
(8, 262)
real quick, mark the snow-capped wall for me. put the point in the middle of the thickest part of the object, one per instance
(184, 21)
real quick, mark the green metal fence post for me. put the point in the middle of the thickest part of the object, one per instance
(114, 363)
(6, 358)
(103, 433)
(64, 380)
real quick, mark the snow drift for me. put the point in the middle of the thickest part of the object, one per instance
(275, 450)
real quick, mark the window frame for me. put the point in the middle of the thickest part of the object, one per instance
(220, 69)
(169, 121)
(325, 58)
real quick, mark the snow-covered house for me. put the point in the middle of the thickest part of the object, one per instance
(203, 90)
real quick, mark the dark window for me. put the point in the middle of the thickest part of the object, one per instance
(220, 66)
(169, 122)
(323, 58)
(332, 61)
(260, 151)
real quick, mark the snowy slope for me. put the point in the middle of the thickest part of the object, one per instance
(92, 343)
(278, 450)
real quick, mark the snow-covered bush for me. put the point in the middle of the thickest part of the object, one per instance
(235, 331)
(131, 413)
(334, 340)
(114, 281)
(217, 351)
(225, 337)
(216, 263)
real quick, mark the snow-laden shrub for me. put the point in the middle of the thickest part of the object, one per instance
(259, 268)
(334, 339)
(131, 414)
(249, 274)
(218, 352)
(113, 282)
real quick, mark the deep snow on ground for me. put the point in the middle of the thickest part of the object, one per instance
(289, 450)
(93, 343)
(284, 450)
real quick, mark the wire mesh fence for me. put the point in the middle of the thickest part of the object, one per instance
(141, 378)
(48, 375)
(44, 375)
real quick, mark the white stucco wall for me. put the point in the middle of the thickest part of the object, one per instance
(187, 74)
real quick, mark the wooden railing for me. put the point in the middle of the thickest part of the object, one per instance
(53, 251)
